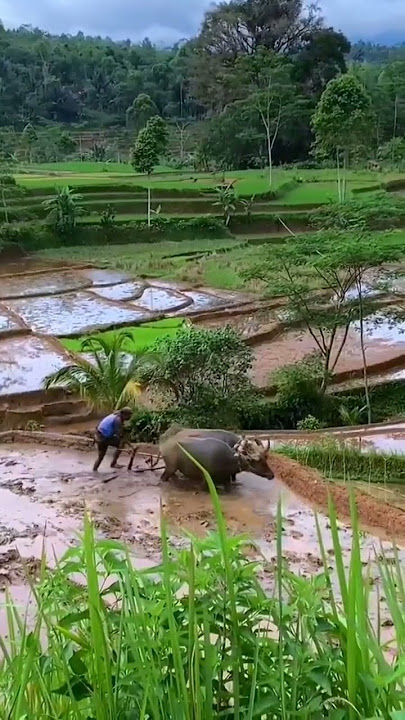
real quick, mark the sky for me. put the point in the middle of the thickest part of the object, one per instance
(166, 21)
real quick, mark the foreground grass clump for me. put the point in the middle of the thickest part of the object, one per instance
(197, 637)
(336, 461)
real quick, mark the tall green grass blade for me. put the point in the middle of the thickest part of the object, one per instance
(229, 583)
(179, 676)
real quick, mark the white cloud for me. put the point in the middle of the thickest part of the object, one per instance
(169, 20)
(366, 18)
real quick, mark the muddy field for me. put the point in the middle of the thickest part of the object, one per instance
(45, 490)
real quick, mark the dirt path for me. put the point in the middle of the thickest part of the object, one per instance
(45, 490)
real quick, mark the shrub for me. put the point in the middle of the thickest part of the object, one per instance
(377, 212)
(299, 393)
(148, 425)
(40, 235)
(202, 368)
(309, 423)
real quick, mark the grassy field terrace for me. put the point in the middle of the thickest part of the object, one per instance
(184, 194)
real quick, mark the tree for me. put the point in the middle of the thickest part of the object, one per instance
(141, 110)
(202, 368)
(106, 381)
(393, 151)
(181, 128)
(321, 58)
(149, 146)
(66, 143)
(343, 121)
(241, 27)
(391, 82)
(28, 139)
(323, 277)
(270, 92)
(316, 301)
(356, 254)
(64, 208)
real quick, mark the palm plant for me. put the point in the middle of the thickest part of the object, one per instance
(226, 201)
(247, 204)
(64, 208)
(109, 378)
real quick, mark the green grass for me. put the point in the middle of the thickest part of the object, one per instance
(319, 192)
(166, 260)
(87, 167)
(197, 638)
(247, 182)
(143, 336)
(349, 464)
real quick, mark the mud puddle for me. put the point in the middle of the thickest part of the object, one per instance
(44, 492)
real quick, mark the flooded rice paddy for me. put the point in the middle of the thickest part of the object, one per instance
(39, 302)
(384, 346)
(45, 491)
(25, 361)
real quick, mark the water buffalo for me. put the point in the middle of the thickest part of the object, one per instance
(221, 460)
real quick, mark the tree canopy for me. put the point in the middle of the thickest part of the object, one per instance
(217, 81)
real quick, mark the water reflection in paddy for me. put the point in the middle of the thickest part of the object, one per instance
(161, 300)
(73, 313)
(25, 361)
(41, 284)
(122, 291)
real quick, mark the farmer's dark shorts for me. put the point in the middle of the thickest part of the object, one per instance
(105, 442)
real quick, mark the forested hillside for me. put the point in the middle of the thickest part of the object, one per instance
(252, 76)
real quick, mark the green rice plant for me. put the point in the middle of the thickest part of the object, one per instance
(342, 462)
(197, 638)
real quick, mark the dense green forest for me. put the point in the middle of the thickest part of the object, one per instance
(252, 77)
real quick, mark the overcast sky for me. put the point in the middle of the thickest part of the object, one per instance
(169, 20)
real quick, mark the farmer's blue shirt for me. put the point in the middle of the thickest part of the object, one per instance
(110, 426)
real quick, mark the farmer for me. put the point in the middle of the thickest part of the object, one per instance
(110, 433)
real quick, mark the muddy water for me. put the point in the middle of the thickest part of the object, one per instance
(41, 284)
(100, 277)
(122, 291)
(44, 492)
(25, 361)
(72, 314)
(8, 322)
(204, 301)
(159, 300)
(384, 342)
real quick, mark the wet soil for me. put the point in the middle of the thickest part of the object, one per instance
(384, 343)
(45, 490)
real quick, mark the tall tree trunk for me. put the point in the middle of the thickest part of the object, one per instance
(338, 176)
(363, 350)
(149, 208)
(181, 144)
(325, 378)
(3, 197)
(269, 156)
(345, 165)
(394, 133)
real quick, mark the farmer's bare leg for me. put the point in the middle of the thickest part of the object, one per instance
(102, 449)
(116, 455)
(117, 443)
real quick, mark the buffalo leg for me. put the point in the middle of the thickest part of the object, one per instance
(166, 475)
